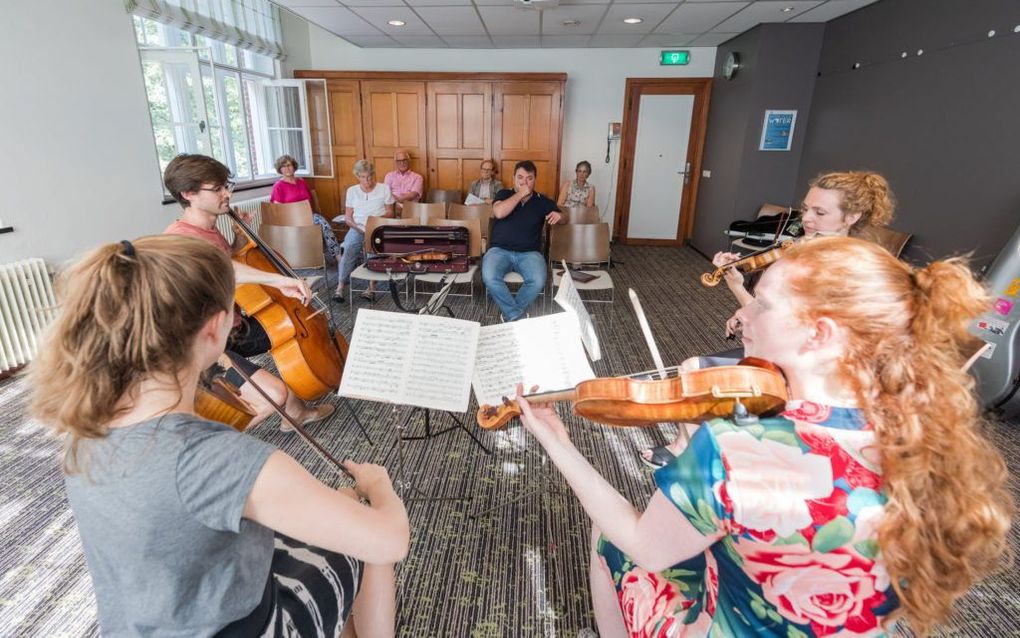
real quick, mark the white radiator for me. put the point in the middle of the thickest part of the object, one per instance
(253, 206)
(27, 305)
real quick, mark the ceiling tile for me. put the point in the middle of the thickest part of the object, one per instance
(573, 2)
(307, 3)
(765, 11)
(379, 16)
(452, 20)
(371, 41)
(493, 3)
(468, 41)
(338, 20)
(351, 4)
(565, 41)
(422, 41)
(615, 40)
(509, 21)
(589, 14)
(713, 39)
(698, 18)
(517, 41)
(651, 13)
(668, 40)
(831, 9)
(436, 3)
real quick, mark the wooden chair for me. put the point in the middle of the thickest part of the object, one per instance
(892, 240)
(580, 215)
(362, 272)
(293, 214)
(444, 196)
(580, 244)
(301, 246)
(474, 251)
(418, 213)
(481, 212)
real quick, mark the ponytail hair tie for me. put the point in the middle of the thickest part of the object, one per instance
(127, 249)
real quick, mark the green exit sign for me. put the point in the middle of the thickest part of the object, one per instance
(673, 58)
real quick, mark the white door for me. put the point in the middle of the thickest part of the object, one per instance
(660, 159)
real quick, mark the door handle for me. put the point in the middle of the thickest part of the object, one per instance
(686, 173)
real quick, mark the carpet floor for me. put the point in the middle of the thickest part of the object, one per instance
(519, 569)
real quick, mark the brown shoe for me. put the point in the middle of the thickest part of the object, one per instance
(319, 413)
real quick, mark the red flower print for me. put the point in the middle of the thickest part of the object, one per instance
(650, 604)
(807, 411)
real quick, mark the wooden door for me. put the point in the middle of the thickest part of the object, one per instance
(528, 126)
(459, 132)
(394, 117)
(347, 145)
(652, 94)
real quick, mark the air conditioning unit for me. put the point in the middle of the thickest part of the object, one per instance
(536, 5)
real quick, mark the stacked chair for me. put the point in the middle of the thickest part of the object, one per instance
(584, 247)
(444, 196)
(290, 231)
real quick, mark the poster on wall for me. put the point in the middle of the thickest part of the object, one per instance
(777, 130)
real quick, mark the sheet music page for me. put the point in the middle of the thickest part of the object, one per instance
(473, 199)
(411, 360)
(570, 300)
(545, 351)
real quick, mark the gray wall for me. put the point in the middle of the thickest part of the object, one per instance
(779, 63)
(943, 127)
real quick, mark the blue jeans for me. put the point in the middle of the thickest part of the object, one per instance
(497, 262)
(353, 254)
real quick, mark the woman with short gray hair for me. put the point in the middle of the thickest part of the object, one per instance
(367, 198)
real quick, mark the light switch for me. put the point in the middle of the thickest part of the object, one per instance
(706, 173)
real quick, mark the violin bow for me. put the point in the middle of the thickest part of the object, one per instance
(650, 340)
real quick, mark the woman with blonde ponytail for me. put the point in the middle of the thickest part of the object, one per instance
(874, 496)
(191, 528)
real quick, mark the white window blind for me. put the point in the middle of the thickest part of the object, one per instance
(253, 25)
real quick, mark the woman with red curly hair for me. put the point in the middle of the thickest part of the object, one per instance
(873, 496)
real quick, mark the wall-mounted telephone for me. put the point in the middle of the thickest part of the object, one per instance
(614, 134)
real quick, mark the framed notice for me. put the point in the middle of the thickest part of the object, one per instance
(777, 130)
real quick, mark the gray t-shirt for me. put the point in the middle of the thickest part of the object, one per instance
(158, 506)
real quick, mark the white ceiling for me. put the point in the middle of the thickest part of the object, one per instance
(485, 24)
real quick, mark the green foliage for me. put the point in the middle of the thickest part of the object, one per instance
(833, 534)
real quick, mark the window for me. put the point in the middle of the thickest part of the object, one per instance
(217, 99)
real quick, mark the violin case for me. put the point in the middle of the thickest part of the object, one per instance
(767, 229)
(419, 249)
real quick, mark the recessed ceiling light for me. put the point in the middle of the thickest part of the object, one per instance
(396, 23)
(786, 9)
(571, 23)
(633, 20)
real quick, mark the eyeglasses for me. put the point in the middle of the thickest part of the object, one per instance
(403, 160)
(222, 188)
(488, 168)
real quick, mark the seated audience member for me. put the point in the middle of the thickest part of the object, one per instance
(487, 184)
(189, 527)
(202, 186)
(874, 496)
(405, 184)
(578, 191)
(289, 189)
(367, 198)
(515, 244)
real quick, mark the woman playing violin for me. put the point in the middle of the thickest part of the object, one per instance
(840, 204)
(189, 527)
(873, 496)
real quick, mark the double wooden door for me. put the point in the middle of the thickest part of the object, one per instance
(448, 126)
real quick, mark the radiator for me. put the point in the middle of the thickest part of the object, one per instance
(27, 305)
(253, 206)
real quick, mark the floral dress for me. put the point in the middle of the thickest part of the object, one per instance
(798, 500)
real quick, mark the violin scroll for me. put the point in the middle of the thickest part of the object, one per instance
(493, 417)
(712, 279)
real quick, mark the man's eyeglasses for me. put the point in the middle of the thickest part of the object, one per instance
(222, 188)
(403, 160)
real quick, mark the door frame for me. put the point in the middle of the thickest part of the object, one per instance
(701, 89)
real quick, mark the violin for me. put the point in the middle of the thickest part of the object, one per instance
(309, 358)
(640, 401)
(749, 263)
(427, 254)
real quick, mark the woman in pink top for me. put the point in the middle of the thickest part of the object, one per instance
(290, 189)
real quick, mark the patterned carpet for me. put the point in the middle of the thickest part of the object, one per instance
(520, 570)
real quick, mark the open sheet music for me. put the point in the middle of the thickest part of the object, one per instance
(430, 362)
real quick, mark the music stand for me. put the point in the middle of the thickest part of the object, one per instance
(432, 307)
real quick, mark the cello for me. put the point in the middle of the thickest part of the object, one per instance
(308, 357)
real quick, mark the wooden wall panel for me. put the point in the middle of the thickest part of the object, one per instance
(528, 125)
(459, 132)
(394, 118)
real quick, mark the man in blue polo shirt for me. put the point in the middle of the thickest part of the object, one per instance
(515, 242)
